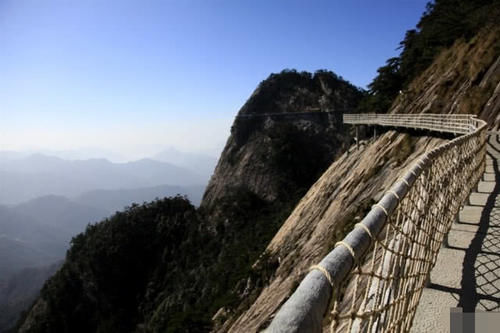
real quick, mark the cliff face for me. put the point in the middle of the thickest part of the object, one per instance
(463, 79)
(285, 136)
(282, 140)
(261, 149)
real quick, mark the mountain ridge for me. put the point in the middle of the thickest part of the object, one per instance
(37, 175)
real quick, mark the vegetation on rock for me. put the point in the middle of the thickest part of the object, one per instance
(443, 22)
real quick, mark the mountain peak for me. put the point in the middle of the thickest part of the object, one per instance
(292, 91)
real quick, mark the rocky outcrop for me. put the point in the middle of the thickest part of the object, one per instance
(282, 140)
(285, 136)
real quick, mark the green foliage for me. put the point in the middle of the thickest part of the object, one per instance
(108, 267)
(384, 87)
(443, 22)
(160, 264)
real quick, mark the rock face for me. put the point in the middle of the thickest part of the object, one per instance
(282, 140)
(285, 135)
(463, 79)
(338, 199)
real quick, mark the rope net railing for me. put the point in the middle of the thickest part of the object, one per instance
(453, 123)
(376, 274)
(382, 292)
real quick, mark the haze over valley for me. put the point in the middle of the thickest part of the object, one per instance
(46, 200)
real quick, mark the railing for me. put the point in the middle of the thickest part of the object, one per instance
(454, 123)
(374, 277)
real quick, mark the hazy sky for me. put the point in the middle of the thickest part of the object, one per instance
(135, 76)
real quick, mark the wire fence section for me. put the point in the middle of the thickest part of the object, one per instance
(373, 279)
(453, 123)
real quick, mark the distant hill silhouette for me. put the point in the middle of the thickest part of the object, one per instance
(18, 292)
(117, 200)
(202, 164)
(38, 232)
(26, 178)
(61, 213)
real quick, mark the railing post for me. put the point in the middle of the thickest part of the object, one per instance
(428, 280)
(357, 138)
(445, 243)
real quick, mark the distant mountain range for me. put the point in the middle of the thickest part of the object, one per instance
(46, 200)
(202, 164)
(116, 200)
(29, 177)
(37, 232)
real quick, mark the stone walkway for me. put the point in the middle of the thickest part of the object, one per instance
(467, 272)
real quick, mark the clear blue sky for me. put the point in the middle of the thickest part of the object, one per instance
(133, 76)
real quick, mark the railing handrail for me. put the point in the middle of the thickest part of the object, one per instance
(452, 123)
(305, 309)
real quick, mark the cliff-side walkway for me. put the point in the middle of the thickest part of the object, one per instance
(373, 279)
(467, 271)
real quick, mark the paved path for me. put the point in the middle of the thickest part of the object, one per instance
(467, 272)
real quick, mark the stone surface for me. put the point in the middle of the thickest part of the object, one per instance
(433, 314)
(470, 214)
(460, 239)
(485, 187)
(478, 199)
(467, 274)
(489, 176)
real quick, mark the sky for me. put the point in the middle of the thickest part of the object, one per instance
(133, 77)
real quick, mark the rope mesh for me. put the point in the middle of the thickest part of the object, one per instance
(382, 291)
